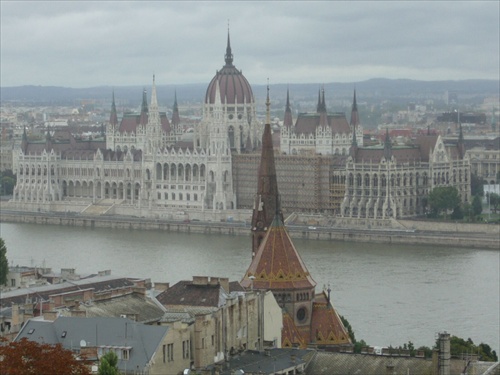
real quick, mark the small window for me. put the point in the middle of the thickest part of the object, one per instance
(63, 335)
(30, 332)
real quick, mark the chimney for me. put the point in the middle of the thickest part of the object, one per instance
(161, 286)
(224, 282)
(444, 354)
(200, 280)
(50, 315)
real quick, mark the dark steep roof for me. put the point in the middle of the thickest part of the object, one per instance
(187, 293)
(308, 122)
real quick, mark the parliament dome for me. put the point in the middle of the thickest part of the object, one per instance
(234, 87)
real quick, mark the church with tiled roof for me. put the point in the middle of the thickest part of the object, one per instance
(308, 318)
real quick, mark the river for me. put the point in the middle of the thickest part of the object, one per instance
(391, 294)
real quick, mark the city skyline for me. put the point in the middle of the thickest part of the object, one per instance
(85, 44)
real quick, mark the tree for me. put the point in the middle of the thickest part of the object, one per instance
(459, 346)
(4, 264)
(7, 182)
(25, 357)
(476, 185)
(477, 205)
(347, 326)
(443, 198)
(108, 364)
(494, 199)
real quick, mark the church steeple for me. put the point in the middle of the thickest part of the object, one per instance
(267, 187)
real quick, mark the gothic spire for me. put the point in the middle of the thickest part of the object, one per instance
(175, 112)
(24, 142)
(229, 55)
(461, 143)
(318, 107)
(113, 118)
(288, 121)
(267, 187)
(387, 145)
(144, 108)
(354, 113)
(154, 100)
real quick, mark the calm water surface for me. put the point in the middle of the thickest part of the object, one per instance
(389, 293)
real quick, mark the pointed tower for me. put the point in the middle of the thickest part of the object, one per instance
(228, 57)
(461, 143)
(24, 141)
(153, 128)
(176, 120)
(287, 120)
(323, 116)
(113, 117)
(354, 114)
(318, 106)
(144, 108)
(48, 140)
(354, 145)
(264, 208)
(387, 146)
(308, 318)
(276, 264)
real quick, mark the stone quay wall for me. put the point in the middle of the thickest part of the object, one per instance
(456, 235)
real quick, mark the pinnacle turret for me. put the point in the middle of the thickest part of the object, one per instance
(175, 112)
(229, 54)
(354, 113)
(287, 120)
(144, 108)
(113, 117)
(387, 145)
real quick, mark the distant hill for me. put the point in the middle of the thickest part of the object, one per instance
(379, 88)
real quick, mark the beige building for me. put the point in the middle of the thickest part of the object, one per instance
(485, 163)
(224, 320)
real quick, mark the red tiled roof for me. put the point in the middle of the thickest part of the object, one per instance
(290, 335)
(277, 264)
(326, 326)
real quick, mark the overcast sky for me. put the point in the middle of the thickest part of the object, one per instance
(91, 43)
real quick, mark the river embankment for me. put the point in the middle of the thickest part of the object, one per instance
(408, 232)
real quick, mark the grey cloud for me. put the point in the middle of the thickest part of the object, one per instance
(123, 43)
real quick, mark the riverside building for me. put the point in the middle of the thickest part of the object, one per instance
(145, 167)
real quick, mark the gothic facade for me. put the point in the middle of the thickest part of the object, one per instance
(144, 162)
(393, 182)
(320, 132)
(323, 166)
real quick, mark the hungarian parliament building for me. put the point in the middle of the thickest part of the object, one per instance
(145, 165)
